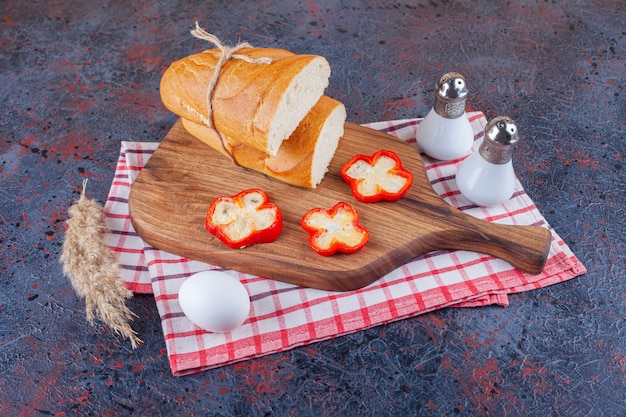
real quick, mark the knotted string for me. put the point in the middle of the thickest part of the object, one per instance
(227, 54)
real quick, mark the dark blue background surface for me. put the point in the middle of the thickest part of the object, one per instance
(76, 78)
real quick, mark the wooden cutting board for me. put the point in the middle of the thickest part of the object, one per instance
(169, 199)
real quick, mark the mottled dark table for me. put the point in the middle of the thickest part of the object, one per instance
(78, 77)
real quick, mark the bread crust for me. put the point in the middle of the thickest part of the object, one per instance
(294, 162)
(246, 96)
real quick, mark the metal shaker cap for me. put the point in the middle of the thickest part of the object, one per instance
(501, 136)
(451, 93)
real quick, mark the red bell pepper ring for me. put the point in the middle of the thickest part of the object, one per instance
(244, 219)
(377, 177)
(334, 230)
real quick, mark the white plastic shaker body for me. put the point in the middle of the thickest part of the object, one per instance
(446, 133)
(484, 183)
(445, 139)
(487, 177)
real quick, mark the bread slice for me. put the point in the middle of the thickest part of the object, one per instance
(302, 160)
(258, 104)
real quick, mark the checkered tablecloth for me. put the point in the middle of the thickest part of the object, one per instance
(283, 316)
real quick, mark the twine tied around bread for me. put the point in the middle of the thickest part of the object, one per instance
(227, 53)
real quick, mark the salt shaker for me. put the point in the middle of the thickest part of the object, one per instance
(446, 133)
(486, 177)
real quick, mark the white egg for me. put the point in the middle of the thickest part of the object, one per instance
(214, 301)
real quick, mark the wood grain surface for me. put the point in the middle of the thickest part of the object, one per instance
(169, 199)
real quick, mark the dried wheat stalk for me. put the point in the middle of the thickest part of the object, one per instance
(93, 268)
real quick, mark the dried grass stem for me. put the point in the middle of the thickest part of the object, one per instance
(93, 268)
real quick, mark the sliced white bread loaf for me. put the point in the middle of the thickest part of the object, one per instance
(258, 104)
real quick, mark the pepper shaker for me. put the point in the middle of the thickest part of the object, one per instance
(446, 133)
(486, 177)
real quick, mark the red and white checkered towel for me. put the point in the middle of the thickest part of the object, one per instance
(283, 316)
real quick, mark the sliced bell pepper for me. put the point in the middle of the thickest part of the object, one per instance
(377, 177)
(334, 230)
(244, 219)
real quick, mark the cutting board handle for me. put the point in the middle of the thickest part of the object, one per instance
(524, 247)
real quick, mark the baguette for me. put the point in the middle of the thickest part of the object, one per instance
(302, 160)
(259, 104)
